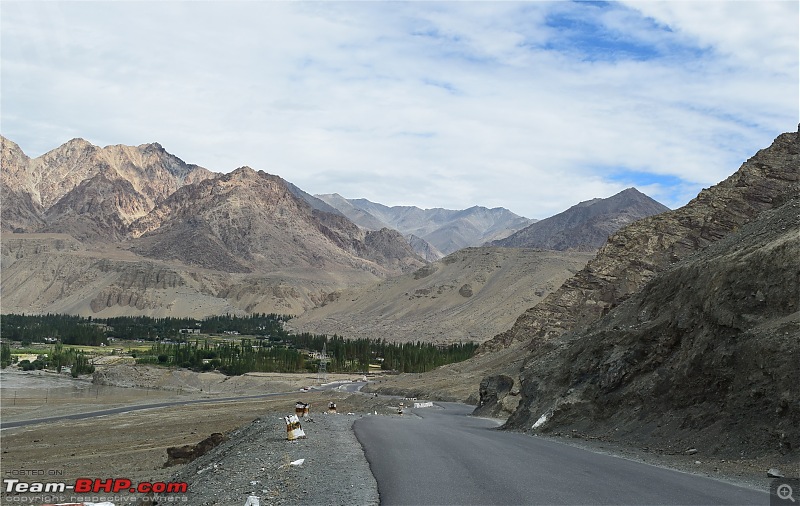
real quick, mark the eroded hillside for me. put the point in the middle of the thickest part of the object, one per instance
(470, 295)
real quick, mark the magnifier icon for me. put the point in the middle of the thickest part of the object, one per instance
(785, 492)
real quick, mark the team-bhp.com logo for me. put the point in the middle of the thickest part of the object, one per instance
(96, 485)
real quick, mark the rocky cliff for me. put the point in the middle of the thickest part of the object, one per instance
(705, 355)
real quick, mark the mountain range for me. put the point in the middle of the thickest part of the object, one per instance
(122, 229)
(136, 230)
(682, 331)
(445, 230)
(503, 280)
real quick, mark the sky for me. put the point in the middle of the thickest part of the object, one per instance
(531, 106)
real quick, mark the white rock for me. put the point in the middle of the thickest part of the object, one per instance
(542, 419)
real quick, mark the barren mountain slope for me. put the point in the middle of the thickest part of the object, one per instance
(424, 249)
(99, 209)
(20, 213)
(704, 356)
(20, 210)
(632, 256)
(585, 226)
(54, 273)
(77, 178)
(250, 221)
(469, 295)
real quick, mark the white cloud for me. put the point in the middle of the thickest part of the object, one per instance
(529, 106)
(747, 33)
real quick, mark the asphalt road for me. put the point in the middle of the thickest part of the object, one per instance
(135, 407)
(347, 387)
(441, 456)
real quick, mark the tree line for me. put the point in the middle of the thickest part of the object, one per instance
(67, 328)
(227, 357)
(357, 354)
(271, 349)
(296, 354)
(70, 329)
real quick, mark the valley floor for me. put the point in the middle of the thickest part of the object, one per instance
(256, 458)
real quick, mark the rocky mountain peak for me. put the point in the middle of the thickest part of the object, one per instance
(42, 182)
(10, 147)
(12, 160)
(587, 225)
(78, 143)
(246, 173)
(152, 147)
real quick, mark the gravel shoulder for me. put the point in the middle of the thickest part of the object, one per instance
(257, 461)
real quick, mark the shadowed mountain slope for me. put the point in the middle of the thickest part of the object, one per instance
(585, 226)
(250, 220)
(705, 355)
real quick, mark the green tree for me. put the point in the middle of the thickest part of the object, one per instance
(5, 356)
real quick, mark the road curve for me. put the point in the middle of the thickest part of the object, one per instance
(441, 456)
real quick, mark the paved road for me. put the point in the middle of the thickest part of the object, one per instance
(444, 457)
(344, 386)
(348, 387)
(135, 407)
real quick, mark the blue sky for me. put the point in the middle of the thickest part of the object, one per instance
(531, 106)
